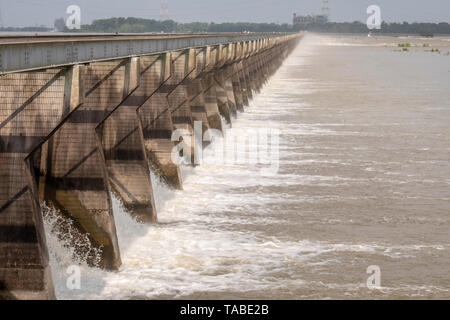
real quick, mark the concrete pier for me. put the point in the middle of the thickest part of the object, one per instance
(83, 120)
(209, 88)
(155, 118)
(123, 146)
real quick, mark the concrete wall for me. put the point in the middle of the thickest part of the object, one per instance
(72, 136)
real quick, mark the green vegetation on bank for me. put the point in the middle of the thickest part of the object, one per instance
(138, 25)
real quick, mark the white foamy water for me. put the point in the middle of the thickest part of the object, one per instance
(363, 180)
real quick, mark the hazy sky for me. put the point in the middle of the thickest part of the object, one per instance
(37, 12)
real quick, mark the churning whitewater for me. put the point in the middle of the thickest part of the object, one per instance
(362, 180)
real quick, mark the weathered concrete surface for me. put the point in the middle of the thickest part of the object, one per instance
(156, 126)
(209, 88)
(195, 94)
(221, 94)
(222, 98)
(196, 97)
(179, 102)
(70, 136)
(237, 88)
(31, 105)
(123, 144)
(76, 177)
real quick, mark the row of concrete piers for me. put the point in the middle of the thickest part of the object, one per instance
(71, 135)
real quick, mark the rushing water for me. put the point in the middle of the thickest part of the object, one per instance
(364, 179)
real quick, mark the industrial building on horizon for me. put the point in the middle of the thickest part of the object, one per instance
(320, 18)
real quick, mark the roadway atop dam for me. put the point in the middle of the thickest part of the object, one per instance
(83, 116)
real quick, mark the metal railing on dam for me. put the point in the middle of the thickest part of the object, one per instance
(85, 116)
(19, 53)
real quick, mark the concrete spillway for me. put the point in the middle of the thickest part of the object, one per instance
(83, 117)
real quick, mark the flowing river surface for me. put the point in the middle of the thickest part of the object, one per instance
(363, 180)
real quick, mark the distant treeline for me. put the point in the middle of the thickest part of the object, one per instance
(136, 25)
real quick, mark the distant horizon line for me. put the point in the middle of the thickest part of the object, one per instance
(212, 22)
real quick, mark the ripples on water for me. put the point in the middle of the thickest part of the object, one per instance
(363, 180)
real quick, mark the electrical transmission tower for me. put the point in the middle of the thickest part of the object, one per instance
(164, 11)
(326, 8)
